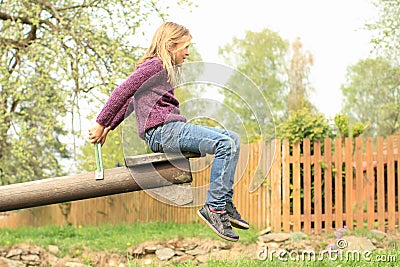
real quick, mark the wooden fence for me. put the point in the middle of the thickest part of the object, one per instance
(309, 187)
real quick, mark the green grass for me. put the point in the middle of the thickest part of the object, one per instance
(116, 238)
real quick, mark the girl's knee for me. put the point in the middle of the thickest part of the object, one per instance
(228, 145)
(236, 139)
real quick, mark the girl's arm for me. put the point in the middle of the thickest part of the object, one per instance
(115, 108)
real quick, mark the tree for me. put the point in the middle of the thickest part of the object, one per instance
(372, 93)
(387, 29)
(279, 70)
(298, 72)
(259, 57)
(52, 55)
(303, 124)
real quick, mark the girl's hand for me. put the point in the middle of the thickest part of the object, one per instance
(103, 137)
(96, 134)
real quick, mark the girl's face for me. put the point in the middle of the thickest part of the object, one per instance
(180, 51)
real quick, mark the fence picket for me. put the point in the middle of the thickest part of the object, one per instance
(391, 197)
(370, 181)
(359, 185)
(350, 196)
(296, 188)
(307, 186)
(338, 183)
(286, 185)
(380, 183)
(317, 187)
(327, 168)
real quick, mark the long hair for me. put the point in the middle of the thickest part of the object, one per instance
(169, 33)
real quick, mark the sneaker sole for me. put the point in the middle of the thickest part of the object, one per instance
(215, 230)
(239, 224)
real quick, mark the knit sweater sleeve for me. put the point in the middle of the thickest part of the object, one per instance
(113, 112)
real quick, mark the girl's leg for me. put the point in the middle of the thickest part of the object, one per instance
(179, 136)
(234, 216)
(233, 163)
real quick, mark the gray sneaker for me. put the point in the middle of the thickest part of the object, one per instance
(234, 217)
(218, 222)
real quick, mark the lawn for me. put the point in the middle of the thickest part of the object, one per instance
(117, 238)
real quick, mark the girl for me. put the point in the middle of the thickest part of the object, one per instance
(151, 89)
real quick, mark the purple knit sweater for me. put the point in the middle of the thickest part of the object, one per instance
(153, 98)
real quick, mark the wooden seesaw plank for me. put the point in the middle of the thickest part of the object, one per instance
(162, 172)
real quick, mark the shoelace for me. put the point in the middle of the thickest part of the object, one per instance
(225, 220)
(231, 207)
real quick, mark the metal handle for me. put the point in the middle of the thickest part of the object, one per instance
(99, 162)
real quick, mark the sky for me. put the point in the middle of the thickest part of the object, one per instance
(333, 31)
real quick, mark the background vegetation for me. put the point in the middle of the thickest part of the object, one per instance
(57, 57)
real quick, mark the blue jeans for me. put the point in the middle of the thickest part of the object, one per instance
(175, 137)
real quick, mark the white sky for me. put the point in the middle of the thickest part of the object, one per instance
(333, 31)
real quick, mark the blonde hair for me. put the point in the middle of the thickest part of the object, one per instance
(167, 34)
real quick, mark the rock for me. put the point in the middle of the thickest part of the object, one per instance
(265, 231)
(33, 250)
(53, 250)
(184, 258)
(112, 263)
(52, 260)
(14, 254)
(10, 263)
(215, 245)
(179, 253)
(196, 252)
(165, 254)
(202, 258)
(31, 258)
(148, 262)
(276, 237)
(151, 249)
(136, 251)
(356, 243)
(378, 234)
(74, 264)
(188, 246)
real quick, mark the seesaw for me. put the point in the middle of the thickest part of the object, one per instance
(149, 171)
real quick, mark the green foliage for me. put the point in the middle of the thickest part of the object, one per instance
(372, 89)
(386, 29)
(260, 57)
(342, 123)
(349, 130)
(53, 56)
(280, 72)
(303, 124)
(371, 93)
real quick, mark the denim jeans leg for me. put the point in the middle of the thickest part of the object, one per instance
(234, 160)
(179, 136)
